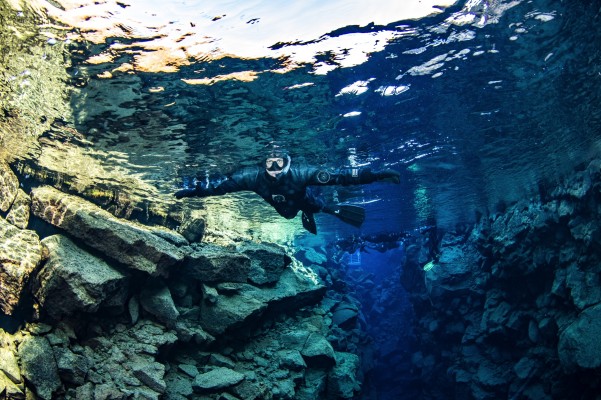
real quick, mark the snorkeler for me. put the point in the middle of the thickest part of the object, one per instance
(287, 189)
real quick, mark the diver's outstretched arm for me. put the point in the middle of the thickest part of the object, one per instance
(352, 176)
(237, 182)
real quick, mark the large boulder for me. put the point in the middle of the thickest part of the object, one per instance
(9, 365)
(9, 185)
(240, 303)
(345, 315)
(452, 273)
(73, 280)
(19, 212)
(156, 299)
(317, 351)
(39, 366)
(584, 285)
(150, 373)
(20, 254)
(268, 261)
(342, 379)
(579, 345)
(216, 379)
(192, 229)
(212, 263)
(126, 242)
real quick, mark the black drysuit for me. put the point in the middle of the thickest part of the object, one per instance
(290, 193)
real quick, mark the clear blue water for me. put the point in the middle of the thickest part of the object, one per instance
(478, 106)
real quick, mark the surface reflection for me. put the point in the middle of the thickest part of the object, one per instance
(476, 102)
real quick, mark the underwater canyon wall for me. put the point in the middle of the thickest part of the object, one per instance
(511, 307)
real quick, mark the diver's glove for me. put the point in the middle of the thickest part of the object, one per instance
(188, 192)
(389, 175)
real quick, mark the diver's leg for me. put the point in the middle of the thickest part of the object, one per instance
(312, 204)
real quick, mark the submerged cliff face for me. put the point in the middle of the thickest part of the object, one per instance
(510, 307)
(108, 308)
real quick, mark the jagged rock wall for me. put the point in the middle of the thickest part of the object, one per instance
(510, 307)
(112, 309)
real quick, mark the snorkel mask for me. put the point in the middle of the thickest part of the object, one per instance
(277, 164)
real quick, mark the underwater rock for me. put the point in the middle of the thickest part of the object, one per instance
(455, 271)
(39, 366)
(73, 280)
(219, 378)
(20, 254)
(212, 263)
(72, 367)
(314, 256)
(149, 373)
(525, 367)
(9, 365)
(579, 344)
(314, 385)
(345, 315)
(126, 242)
(179, 387)
(317, 351)
(146, 337)
(19, 212)
(188, 369)
(584, 284)
(219, 360)
(11, 380)
(193, 229)
(291, 359)
(250, 390)
(133, 307)
(188, 329)
(342, 379)
(156, 299)
(9, 185)
(9, 389)
(267, 261)
(247, 303)
(492, 374)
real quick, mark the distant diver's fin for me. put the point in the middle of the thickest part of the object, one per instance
(353, 215)
(309, 222)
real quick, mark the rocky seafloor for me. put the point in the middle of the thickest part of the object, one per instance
(98, 307)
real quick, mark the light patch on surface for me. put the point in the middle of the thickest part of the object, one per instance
(540, 16)
(352, 114)
(433, 65)
(356, 88)
(392, 90)
(246, 76)
(299, 85)
(480, 13)
(166, 35)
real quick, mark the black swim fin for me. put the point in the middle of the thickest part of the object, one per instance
(353, 215)
(309, 222)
